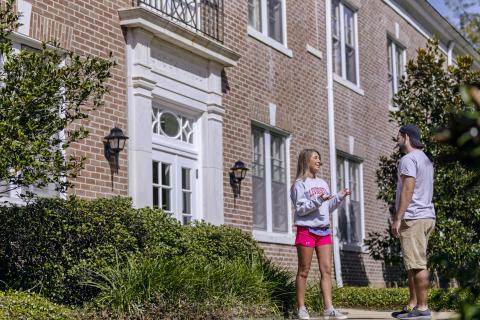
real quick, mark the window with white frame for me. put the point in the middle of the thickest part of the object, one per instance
(350, 212)
(344, 41)
(396, 67)
(269, 181)
(174, 163)
(267, 17)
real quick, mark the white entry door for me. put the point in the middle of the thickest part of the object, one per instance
(174, 185)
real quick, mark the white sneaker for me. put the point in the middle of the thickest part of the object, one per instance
(303, 313)
(333, 315)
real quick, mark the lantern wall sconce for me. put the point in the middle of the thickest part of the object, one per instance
(115, 142)
(237, 174)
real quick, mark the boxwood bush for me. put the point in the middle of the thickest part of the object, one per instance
(28, 306)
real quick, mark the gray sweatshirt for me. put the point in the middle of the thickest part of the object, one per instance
(310, 210)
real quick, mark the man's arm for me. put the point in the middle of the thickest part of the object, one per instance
(408, 185)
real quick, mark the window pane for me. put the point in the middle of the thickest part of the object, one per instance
(187, 219)
(351, 67)
(355, 221)
(343, 222)
(279, 184)
(185, 179)
(165, 174)
(349, 27)
(259, 204)
(278, 159)
(258, 180)
(342, 209)
(337, 57)
(274, 13)
(186, 202)
(400, 66)
(391, 89)
(166, 203)
(155, 197)
(254, 14)
(335, 19)
(155, 172)
(354, 203)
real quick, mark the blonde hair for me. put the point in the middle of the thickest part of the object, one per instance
(302, 163)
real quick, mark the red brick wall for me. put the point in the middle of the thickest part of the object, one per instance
(298, 87)
(92, 28)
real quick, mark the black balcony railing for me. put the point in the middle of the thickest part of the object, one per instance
(202, 16)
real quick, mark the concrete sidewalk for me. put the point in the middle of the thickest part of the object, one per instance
(368, 314)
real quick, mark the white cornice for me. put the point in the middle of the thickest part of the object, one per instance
(174, 33)
(428, 22)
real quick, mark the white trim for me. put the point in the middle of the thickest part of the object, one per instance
(350, 85)
(271, 237)
(331, 141)
(315, 52)
(269, 41)
(412, 22)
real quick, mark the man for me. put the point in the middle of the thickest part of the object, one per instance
(414, 220)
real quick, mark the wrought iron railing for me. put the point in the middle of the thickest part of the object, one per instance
(202, 16)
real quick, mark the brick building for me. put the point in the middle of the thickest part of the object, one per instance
(201, 84)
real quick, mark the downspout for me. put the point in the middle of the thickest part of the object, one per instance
(331, 143)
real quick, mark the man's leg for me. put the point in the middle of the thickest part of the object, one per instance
(412, 289)
(421, 288)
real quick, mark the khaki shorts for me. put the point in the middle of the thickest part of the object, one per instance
(414, 236)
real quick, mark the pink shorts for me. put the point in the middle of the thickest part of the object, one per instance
(307, 239)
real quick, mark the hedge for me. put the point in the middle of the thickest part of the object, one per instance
(29, 306)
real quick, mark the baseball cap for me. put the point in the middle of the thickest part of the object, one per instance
(414, 134)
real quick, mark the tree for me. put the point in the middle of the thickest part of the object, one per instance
(43, 94)
(430, 97)
(468, 19)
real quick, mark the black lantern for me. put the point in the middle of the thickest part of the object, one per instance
(115, 142)
(237, 174)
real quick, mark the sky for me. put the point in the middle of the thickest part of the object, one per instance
(444, 10)
(447, 13)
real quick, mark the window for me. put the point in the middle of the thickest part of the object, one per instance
(396, 68)
(267, 17)
(344, 42)
(269, 181)
(350, 212)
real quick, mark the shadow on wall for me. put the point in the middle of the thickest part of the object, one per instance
(353, 269)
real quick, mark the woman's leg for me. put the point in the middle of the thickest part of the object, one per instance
(324, 256)
(304, 260)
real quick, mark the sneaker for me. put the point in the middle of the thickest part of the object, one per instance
(303, 313)
(405, 310)
(416, 314)
(333, 315)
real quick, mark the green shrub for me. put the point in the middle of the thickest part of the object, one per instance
(384, 298)
(56, 246)
(27, 306)
(203, 287)
(220, 242)
(48, 246)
